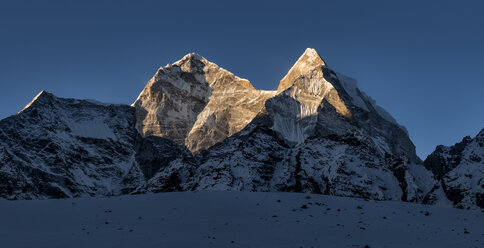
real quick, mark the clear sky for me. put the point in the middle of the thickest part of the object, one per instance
(421, 60)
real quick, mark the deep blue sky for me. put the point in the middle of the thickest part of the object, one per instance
(421, 60)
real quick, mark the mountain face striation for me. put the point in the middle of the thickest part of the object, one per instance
(197, 126)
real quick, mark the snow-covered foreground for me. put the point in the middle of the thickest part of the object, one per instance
(235, 219)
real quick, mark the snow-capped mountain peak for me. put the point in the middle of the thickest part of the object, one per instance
(195, 63)
(196, 103)
(42, 98)
(316, 99)
(306, 62)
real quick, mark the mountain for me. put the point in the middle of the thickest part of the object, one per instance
(196, 126)
(196, 103)
(460, 171)
(319, 134)
(56, 148)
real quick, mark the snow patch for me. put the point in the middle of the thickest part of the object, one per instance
(236, 219)
(92, 129)
(98, 102)
(349, 84)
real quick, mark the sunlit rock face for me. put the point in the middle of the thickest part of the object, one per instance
(315, 100)
(307, 62)
(300, 97)
(196, 103)
(319, 134)
(460, 171)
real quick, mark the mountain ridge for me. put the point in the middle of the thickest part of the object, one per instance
(197, 126)
(314, 109)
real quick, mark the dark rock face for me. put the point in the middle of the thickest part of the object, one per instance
(444, 159)
(155, 153)
(460, 170)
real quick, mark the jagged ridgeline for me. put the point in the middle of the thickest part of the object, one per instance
(196, 126)
(460, 171)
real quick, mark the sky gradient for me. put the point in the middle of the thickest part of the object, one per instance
(420, 60)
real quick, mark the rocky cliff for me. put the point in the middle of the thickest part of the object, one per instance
(196, 103)
(460, 171)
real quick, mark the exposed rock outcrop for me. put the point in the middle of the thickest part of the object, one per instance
(460, 171)
(196, 103)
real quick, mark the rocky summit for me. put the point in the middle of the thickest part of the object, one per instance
(196, 103)
(196, 126)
